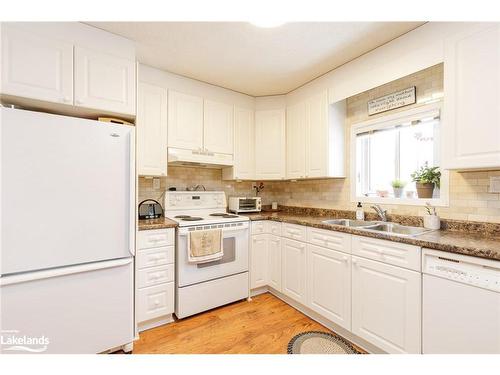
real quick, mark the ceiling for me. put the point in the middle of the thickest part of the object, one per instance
(253, 60)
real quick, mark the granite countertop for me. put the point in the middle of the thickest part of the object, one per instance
(160, 223)
(460, 242)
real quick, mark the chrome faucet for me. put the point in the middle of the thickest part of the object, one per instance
(382, 214)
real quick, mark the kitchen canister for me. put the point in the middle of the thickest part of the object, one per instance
(432, 222)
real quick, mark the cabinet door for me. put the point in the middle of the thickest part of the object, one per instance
(258, 261)
(218, 127)
(295, 141)
(471, 121)
(270, 145)
(274, 258)
(36, 67)
(317, 136)
(185, 121)
(329, 284)
(244, 144)
(293, 270)
(151, 130)
(104, 81)
(386, 305)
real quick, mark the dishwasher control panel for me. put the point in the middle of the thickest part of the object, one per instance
(483, 273)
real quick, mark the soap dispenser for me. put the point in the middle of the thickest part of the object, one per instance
(360, 214)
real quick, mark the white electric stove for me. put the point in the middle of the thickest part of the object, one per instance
(200, 287)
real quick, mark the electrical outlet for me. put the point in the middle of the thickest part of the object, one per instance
(494, 184)
(254, 185)
(156, 183)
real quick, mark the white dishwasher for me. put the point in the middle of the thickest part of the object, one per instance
(461, 304)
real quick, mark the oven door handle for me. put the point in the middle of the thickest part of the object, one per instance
(224, 231)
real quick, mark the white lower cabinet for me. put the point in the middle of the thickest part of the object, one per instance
(329, 284)
(386, 305)
(293, 269)
(258, 261)
(154, 277)
(376, 296)
(274, 261)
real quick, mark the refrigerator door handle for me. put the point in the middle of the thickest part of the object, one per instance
(46, 274)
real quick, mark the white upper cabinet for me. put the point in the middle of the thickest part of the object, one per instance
(185, 121)
(244, 146)
(270, 162)
(329, 284)
(36, 67)
(317, 136)
(151, 130)
(218, 127)
(295, 141)
(293, 269)
(386, 305)
(471, 126)
(103, 81)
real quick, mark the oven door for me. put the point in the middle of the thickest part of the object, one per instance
(235, 259)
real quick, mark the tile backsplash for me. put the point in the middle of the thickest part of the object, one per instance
(468, 196)
(182, 177)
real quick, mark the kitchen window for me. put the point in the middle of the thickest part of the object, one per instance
(389, 149)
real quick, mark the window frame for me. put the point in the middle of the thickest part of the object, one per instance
(388, 121)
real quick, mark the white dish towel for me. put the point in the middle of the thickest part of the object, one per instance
(205, 246)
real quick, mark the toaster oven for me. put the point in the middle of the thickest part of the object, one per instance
(244, 204)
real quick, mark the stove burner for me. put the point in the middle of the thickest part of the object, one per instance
(181, 216)
(229, 216)
(192, 218)
(219, 214)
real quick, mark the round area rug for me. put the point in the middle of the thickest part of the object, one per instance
(316, 342)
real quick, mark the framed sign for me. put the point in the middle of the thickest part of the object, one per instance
(391, 101)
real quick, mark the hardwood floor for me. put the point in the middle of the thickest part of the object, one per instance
(263, 326)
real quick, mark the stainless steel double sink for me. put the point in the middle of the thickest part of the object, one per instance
(380, 227)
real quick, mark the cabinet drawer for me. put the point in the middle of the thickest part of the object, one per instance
(155, 301)
(293, 231)
(274, 227)
(259, 227)
(398, 254)
(155, 257)
(155, 275)
(155, 238)
(329, 239)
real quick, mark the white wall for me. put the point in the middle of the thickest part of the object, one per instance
(263, 103)
(414, 51)
(186, 85)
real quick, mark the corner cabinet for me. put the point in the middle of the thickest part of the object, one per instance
(151, 130)
(270, 162)
(185, 121)
(471, 119)
(36, 67)
(386, 305)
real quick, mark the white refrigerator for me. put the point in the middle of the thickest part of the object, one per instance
(67, 234)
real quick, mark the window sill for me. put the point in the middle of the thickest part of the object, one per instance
(436, 202)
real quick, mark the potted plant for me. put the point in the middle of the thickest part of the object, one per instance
(398, 186)
(426, 178)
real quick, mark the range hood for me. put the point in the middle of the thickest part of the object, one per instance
(198, 158)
